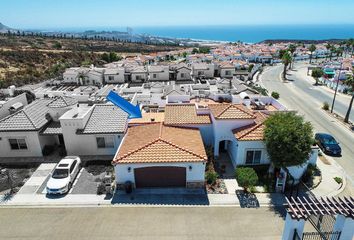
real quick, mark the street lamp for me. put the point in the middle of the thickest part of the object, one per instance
(335, 92)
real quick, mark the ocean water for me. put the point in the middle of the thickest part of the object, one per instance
(253, 34)
(250, 34)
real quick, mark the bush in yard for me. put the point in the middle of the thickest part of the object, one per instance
(246, 177)
(101, 188)
(211, 177)
(338, 180)
(288, 139)
(325, 106)
(275, 95)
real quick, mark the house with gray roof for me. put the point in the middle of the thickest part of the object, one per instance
(93, 130)
(26, 132)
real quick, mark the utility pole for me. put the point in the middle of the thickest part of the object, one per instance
(335, 92)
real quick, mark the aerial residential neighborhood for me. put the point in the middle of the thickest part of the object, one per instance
(203, 130)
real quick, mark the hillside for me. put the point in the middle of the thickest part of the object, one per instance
(31, 59)
(5, 29)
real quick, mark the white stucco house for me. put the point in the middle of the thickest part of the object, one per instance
(114, 75)
(139, 74)
(26, 132)
(83, 75)
(226, 70)
(155, 155)
(159, 73)
(93, 130)
(182, 72)
(203, 70)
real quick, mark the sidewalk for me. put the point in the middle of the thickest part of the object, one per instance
(328, 186)
(30, 196)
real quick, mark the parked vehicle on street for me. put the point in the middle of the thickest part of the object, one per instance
(328, 144)
(64, 175)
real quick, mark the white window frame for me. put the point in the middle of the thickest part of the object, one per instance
(108, 142)
(253, 160)
(17, 139)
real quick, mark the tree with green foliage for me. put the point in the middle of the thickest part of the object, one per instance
(57, 45)
(286, 59)
(316, 74)
(211, 176)
(288, 139)
(250, 67)
(291, 49)
(111, 57)
(204, 50)
(275, 95)
(349, 82)
(312, 48)
(195, 50)
(281, 53)
(246, 177)
(331, 51)
(328, 47)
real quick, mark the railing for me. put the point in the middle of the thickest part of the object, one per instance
(322, 236)
(316, 236)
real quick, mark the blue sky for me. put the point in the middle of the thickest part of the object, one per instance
(46, 14)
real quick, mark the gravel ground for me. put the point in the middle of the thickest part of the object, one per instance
(19, 174)
(89, 179)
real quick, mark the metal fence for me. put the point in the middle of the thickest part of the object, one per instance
(317, 236)
(321, 236)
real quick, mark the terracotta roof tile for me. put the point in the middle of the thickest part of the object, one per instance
(150, 117)
(230, 111)
(159, 143)
(252, 132)
(184, 114)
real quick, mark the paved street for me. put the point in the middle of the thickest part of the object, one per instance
(140, 223)
(300, 94)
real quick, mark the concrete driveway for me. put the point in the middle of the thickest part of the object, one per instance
(140, 223)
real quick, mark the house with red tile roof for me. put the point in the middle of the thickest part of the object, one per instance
(157, 155)
(168, 149)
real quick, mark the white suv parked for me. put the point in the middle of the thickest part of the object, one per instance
(64, 175)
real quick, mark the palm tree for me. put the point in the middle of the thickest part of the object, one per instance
(328, 47)
(339, 52)
(332, 50)
(312, 48)
(350, 82)
(286, 59)
(292, 49)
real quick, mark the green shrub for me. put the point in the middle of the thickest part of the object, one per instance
(325, 106)
(211, 177)
(338, 180)
(246, 177)
(275, 95)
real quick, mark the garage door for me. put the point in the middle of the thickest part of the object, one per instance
(160, 177)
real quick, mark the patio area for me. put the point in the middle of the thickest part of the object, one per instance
(224, 167)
